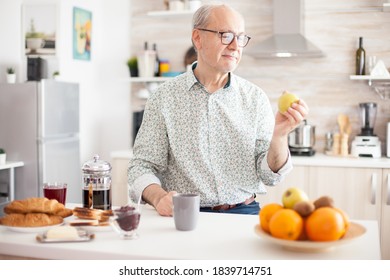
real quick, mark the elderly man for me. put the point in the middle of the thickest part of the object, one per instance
(209, 131)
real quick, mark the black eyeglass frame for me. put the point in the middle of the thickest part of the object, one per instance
(234, 36)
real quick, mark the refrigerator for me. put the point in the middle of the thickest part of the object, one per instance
(39, 125)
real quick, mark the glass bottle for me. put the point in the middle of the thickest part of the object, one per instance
(157, 66)
(360, 59)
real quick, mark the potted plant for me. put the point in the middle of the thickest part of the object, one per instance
(35, 40)
(2, 156)
(132, 63)
(56, 75)
(11, 76)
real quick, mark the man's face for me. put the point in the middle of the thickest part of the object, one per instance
(211, 52)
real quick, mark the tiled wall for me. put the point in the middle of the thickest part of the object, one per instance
(332, 25)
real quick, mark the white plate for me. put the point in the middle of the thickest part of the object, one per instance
(354, 231)
(31, 229)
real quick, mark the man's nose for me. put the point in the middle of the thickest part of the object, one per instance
(234, 44)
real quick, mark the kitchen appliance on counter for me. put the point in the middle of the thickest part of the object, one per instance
(302, 139)
(367, 144)
(97, 184)
(39, 124)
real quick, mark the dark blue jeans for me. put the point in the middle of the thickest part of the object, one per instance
(250, 209)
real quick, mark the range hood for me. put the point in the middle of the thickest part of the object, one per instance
(287, 39)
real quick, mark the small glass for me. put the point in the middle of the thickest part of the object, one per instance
(55, 191)
(371, 63)
(126, 220)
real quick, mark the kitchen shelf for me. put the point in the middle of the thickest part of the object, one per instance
(369, 78)
(381, 85)
(169, 13)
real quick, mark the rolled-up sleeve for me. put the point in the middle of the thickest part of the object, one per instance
(271, 178)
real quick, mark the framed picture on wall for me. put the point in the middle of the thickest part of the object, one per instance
(39, 25)
(82, 30)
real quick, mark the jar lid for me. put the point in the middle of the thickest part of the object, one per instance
(96, 166)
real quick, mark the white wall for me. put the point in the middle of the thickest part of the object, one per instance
(10, 25)
(104, 116)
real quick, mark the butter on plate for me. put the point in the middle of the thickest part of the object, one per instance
(62, 232)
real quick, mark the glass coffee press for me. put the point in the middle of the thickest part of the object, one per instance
(96, 184)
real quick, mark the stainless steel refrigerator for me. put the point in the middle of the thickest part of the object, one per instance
(39, 125)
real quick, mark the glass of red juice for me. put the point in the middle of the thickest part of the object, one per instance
(55, 191)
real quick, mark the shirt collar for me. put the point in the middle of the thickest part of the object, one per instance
(192, 80)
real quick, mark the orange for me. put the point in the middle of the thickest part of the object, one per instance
(266, 213)
(346, 219)
(286, 224)
(325, 224)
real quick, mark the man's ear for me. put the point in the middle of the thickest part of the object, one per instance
(196, 40)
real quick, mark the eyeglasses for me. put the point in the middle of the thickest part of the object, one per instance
(228, 37)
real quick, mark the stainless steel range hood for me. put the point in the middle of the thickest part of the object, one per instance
(287, 39)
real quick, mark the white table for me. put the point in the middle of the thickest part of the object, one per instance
(217, 236)
(11, 165)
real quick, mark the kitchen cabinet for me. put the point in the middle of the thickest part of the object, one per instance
(363, 193)
(356, 190)
(298, 177)
(385, 215)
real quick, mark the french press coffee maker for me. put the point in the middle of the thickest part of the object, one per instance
(97, 184)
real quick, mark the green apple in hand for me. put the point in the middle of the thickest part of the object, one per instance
(293, 195)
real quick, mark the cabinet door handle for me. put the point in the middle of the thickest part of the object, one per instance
(388, 190)
(373, 188)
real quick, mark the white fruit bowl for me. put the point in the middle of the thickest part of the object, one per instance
(354, 231)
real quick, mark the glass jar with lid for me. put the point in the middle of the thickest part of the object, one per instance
(97, 184)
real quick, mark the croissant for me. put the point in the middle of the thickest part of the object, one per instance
(30, 220)
(34, 205)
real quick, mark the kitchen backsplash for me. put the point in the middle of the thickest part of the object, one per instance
(332, 25)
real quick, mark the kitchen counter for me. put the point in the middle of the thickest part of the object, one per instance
(319, 159)
(217, 236)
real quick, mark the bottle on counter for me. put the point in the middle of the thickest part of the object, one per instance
(360, 59)
(157, 64)
(147, 62)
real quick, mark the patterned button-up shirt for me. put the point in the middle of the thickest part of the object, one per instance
(215, 144)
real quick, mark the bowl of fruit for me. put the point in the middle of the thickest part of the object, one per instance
(301, 224)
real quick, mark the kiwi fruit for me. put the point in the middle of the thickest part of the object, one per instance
(324, 201)
(304, 208)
